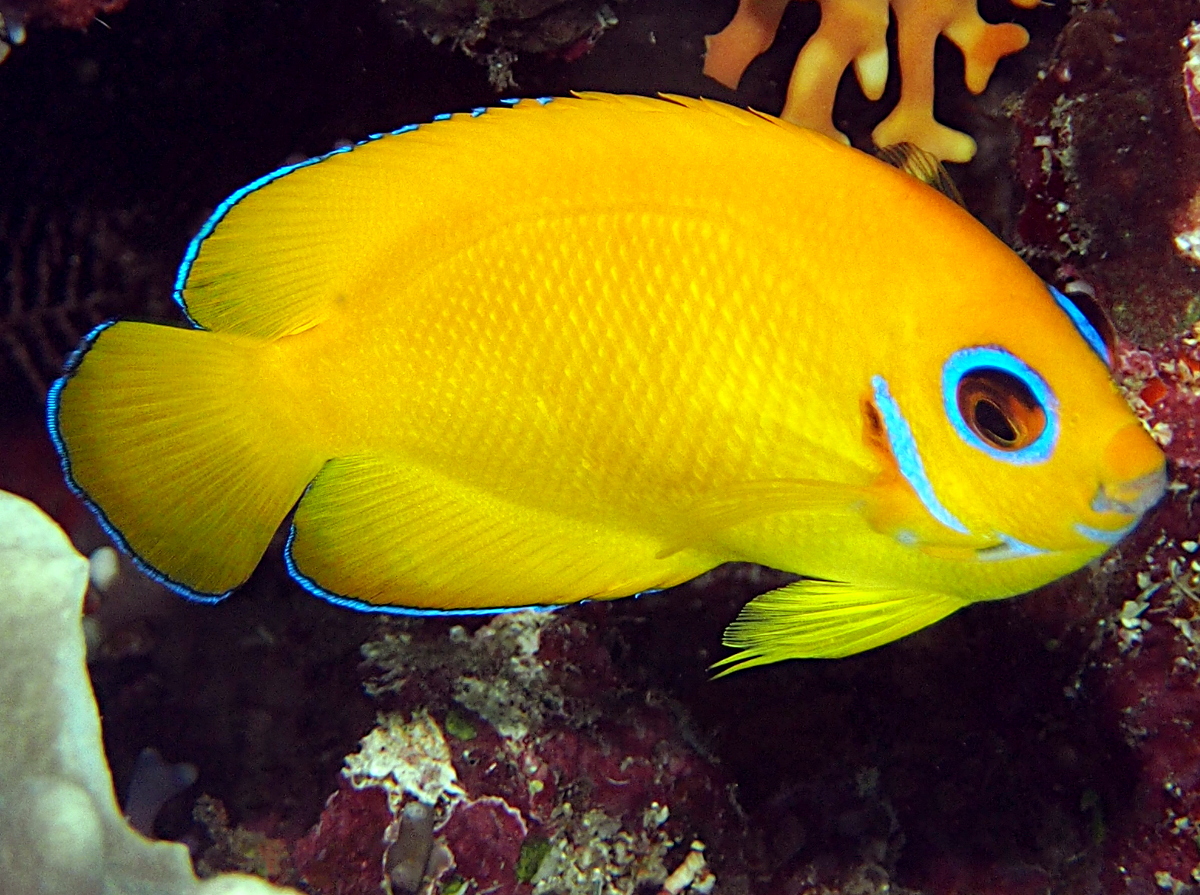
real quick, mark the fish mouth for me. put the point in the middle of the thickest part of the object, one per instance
(1134, 497)
(1130, 499)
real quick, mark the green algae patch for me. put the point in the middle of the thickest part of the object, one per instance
(459, 727)
(533, 852)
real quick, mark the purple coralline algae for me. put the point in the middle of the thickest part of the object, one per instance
(1109, 161)
(1145, 665)
(540, 771)
(1187, 221)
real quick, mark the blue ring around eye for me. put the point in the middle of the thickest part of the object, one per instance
(1085, 328)
(992, 357)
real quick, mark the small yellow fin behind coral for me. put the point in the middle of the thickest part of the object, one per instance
(827, 620)
(925, 166)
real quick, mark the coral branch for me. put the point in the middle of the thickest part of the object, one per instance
(740, 42)
(854, 32)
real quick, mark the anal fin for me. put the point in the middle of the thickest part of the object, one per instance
(812, 619)
(377, 532)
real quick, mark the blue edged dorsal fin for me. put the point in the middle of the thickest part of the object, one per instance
(812, 619)
(272, 259)
(280, 255)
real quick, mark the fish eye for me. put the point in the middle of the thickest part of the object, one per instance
(1000, 405)
(1000, 409)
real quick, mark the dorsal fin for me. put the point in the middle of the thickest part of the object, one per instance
(277, 256)
(273, 258)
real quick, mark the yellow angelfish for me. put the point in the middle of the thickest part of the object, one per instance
(589, 347)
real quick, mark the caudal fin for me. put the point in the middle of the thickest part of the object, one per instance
(159, 432)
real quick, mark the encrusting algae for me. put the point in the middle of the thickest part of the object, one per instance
(855, 31)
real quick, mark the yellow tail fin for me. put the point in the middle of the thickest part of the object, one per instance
(159, 432)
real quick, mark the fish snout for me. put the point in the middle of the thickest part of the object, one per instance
(1134, 476)
(1131, 498)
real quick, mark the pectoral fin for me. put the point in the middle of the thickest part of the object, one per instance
(736, 504)
(827, 620)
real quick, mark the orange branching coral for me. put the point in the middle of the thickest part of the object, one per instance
(855, 31)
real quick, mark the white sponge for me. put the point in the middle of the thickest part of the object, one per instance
(61, 832)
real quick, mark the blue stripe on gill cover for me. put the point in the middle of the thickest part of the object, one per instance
(1082, 324)
(993, 357)
(52, 405)
(193, 249)
(908, 457)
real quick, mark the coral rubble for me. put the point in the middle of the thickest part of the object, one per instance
(538, 771)
(1144, 667)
